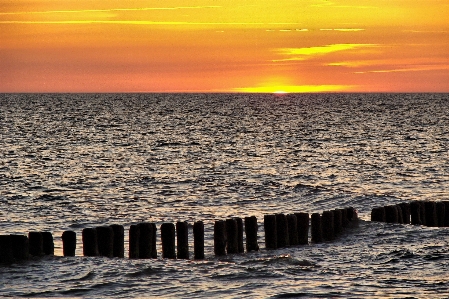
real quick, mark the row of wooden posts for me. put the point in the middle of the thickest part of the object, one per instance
(427, 213)
(280, 231)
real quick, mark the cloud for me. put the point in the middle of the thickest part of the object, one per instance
(310, 52)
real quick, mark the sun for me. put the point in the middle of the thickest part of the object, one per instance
(280, 92)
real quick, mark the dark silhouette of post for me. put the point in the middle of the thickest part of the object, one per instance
(292, 224)
(446, 215)
(431, 213)
(153, 242)
(20, 247)
(48, 245)
(302, 219)
(198, 240)
(251, 233)
(282, 231)
(327, 224)
(231, 236)
(6, 250)
(405, 207)
(240, 234)
(134, 237)
(441, 213)
(391, 214)
(415, 213)
(220, 238)
(182, 240)
(423, 213)
(400, 216)
(105, 239)
(338, 222)
(145, 240)
(69, 243)
(119, 240)
(317, 232)
(36, 243)
(378, 214)
(90, 245)
(168, 240)
(269, 224)
(344, 218)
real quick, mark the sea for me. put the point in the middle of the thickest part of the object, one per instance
(72, 161)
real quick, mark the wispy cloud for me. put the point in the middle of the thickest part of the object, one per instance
(420, 68)
(307, 53)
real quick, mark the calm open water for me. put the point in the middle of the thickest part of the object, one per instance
(70, 161)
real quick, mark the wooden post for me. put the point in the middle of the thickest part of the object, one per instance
(431, 213)
(405, 207)
(198, 240)
(153, 242)
(292, 223)
(6, 250)
(351, 213)
(105, 239)
(240, 234)
(378, 214)
(231, 236)
(48, 245)
(168, 240)
(327, 222)
(282, 231)
(317, 232)
(391, 214)
(400, 217)
(119, 240)
(344, 217)
(302, 219)
(68, 243)
(90, 245)
(145, 240)
(251, 234)
(36, 243)
(415, 213)
(441, 213)
(338, 222)
(182, 239)
(220, 238)
(20, 247)
(446, 216)
(423, 213)
(269, 224)
(134, 238)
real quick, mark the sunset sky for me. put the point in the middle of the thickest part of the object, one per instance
(224, 46)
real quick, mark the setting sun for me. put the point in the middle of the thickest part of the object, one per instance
(224, 46)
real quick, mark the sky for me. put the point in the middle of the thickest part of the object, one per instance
(224, 46)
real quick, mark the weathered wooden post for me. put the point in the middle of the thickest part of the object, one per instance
(145, 240)
(20, 247)
(391, 214)
(282, 231)
(69, 243)
(48, 245)
(119, 240)
(105, 239)
(415, 213)
(431, 213)
(338, 222)
(153, 242)
(6, 250)
(251, 233)
(441, 213)
(182, 239)
(317, 232)
(198, 240)
(378, 214)
(302, 219)
(36, 243)
(168, 240)
(327, 223)
(220, 238)
(405, 207)
(292, 224)
(134, 245)
(231, 236)
(240, 234)
(90, 245)
(269, 224)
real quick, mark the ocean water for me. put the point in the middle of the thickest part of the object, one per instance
(71, 161)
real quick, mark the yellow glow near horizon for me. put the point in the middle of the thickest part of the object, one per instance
(224, 45)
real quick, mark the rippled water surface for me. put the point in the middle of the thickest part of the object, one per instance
(73, 161)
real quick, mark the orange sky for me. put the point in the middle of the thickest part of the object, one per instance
(224, 46)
